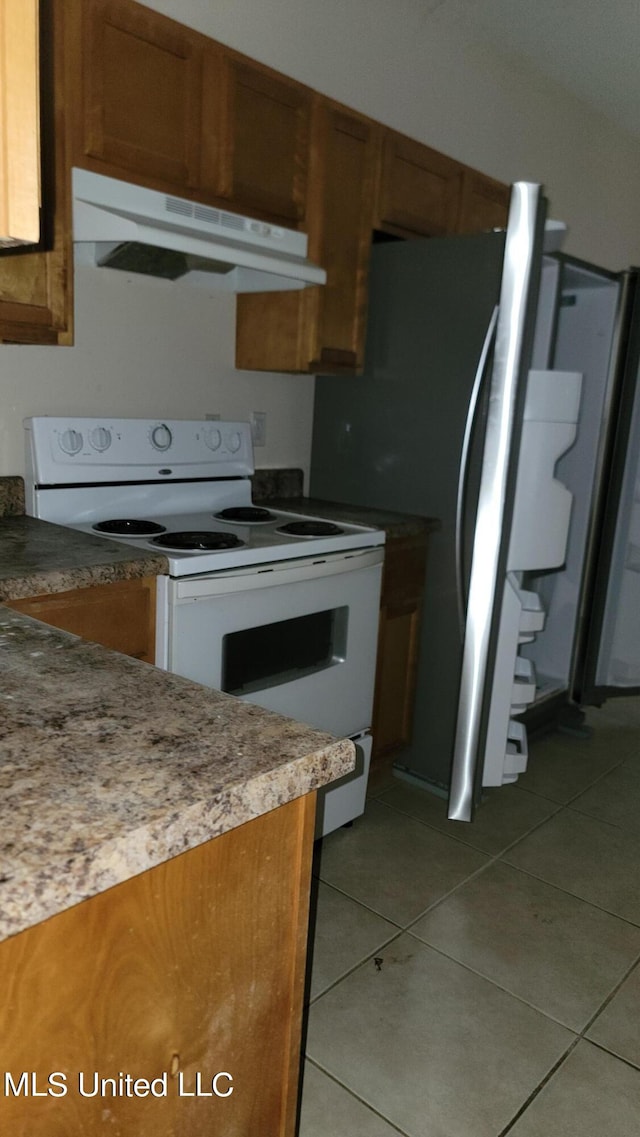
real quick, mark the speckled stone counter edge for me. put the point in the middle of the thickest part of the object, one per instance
(109, 767)
(11, 496)
(37, 558)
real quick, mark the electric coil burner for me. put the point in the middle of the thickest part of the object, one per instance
(127, 527)
(277, 608)
(197, 542)
(247, 514)
(311, 528)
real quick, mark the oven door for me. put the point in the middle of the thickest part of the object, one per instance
(298, 637)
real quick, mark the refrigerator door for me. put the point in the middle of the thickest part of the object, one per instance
(608, 654)
(393, 438)
(507, 391)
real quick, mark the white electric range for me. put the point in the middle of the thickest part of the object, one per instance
(278, 608)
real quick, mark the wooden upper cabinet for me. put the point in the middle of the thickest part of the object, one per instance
(348, 149)
(19, 114)
(267, 129)
(419, 190)
(484, 204)
(321, 329)
(36, 298)
(141, 94)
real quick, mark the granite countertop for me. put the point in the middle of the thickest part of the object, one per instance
(395, 525)
(282, 488)
(109, 766)
(37, 557)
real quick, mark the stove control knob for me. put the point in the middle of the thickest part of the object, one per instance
(100, 438)
(161, 437)
(70, 441)
(234, 442)
(213, 438)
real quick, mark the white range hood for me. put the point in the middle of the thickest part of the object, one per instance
(132, 229)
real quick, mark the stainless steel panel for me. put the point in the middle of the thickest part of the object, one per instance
(493, 521)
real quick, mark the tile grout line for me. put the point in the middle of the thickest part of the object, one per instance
(461, 841)
(534, 1094)
(496, 984)
(365, 959)
(612, 994)
(567, 892)
(356, 1097)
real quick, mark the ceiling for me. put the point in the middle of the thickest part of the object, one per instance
(591, 47)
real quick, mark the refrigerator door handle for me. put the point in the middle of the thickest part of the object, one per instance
(511, 359)
(481, 375)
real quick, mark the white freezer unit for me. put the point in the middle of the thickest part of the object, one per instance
(542, 508)
(539, 532)
(582, 339)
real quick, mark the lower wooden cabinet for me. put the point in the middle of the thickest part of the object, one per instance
(398, 642)
(191, 969)
(120, 616)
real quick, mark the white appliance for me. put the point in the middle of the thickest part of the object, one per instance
(500, 394)
(133, 229)
(277, 608)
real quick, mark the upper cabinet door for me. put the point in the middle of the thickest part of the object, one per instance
(267, 129)
(142, 87)
(341, 243)
(419, 190)
(484, 205)
(36, 295)
(19, 112)
(322, 328)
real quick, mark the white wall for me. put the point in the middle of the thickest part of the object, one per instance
(414, 65)
(145, 350)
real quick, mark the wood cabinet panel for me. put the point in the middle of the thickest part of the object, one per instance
(194, 966)
(34, 297)
(398, 643)
(36, 287)
(348, 146)
(322, 329)
(120, 616)
(484, 203)
(395, 687)
(419, 189)
(141, 92)
(20, 121)
(268, 125)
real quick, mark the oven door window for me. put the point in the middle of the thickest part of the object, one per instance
(256, 658)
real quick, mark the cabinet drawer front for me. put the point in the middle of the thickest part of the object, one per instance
(120, 616)
(142, 92)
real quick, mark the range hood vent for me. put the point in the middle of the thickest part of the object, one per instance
(127, 227)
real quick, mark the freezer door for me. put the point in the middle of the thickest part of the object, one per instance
(608, 656)
(507, 371)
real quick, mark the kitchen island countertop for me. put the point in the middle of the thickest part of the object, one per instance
(37, 557)
(109, 767)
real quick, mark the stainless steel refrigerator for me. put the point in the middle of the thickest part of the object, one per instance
(499, 395)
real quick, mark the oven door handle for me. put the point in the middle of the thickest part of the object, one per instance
(271, 575)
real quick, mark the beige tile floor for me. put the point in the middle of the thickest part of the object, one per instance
(484, 980)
